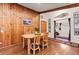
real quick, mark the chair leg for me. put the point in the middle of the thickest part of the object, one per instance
(47, 44)
(43, 45)
(39, 48)
(33, 52)
(33, 49)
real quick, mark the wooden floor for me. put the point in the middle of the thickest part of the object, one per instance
(55, 48)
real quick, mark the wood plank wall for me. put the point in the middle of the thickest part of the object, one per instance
(11, 22)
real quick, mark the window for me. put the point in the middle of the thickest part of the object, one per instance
(49, 25)
(76, 23)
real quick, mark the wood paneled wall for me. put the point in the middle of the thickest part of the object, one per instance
(11, 23)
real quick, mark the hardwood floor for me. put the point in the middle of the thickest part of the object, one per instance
(54, 48)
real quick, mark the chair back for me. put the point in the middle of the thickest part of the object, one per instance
(37, 38)
(45, 38)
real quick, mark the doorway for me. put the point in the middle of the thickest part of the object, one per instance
(62, 29)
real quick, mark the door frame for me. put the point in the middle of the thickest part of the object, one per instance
(69, 20)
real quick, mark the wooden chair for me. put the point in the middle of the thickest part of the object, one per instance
(45, 40)
(36, 43)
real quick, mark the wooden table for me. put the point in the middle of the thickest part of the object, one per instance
(28, 37)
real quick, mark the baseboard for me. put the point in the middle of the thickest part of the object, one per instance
(7, 47)
(74, 44)
(50, 38)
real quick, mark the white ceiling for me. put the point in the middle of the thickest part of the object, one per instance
(40, 7)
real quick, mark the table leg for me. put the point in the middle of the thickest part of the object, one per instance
(28, 41)
(23, 43)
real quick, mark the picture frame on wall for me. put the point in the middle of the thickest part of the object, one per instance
(27, 22)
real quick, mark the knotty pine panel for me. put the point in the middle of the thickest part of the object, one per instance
(11, 22)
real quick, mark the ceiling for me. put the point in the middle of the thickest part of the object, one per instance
(41, 7)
